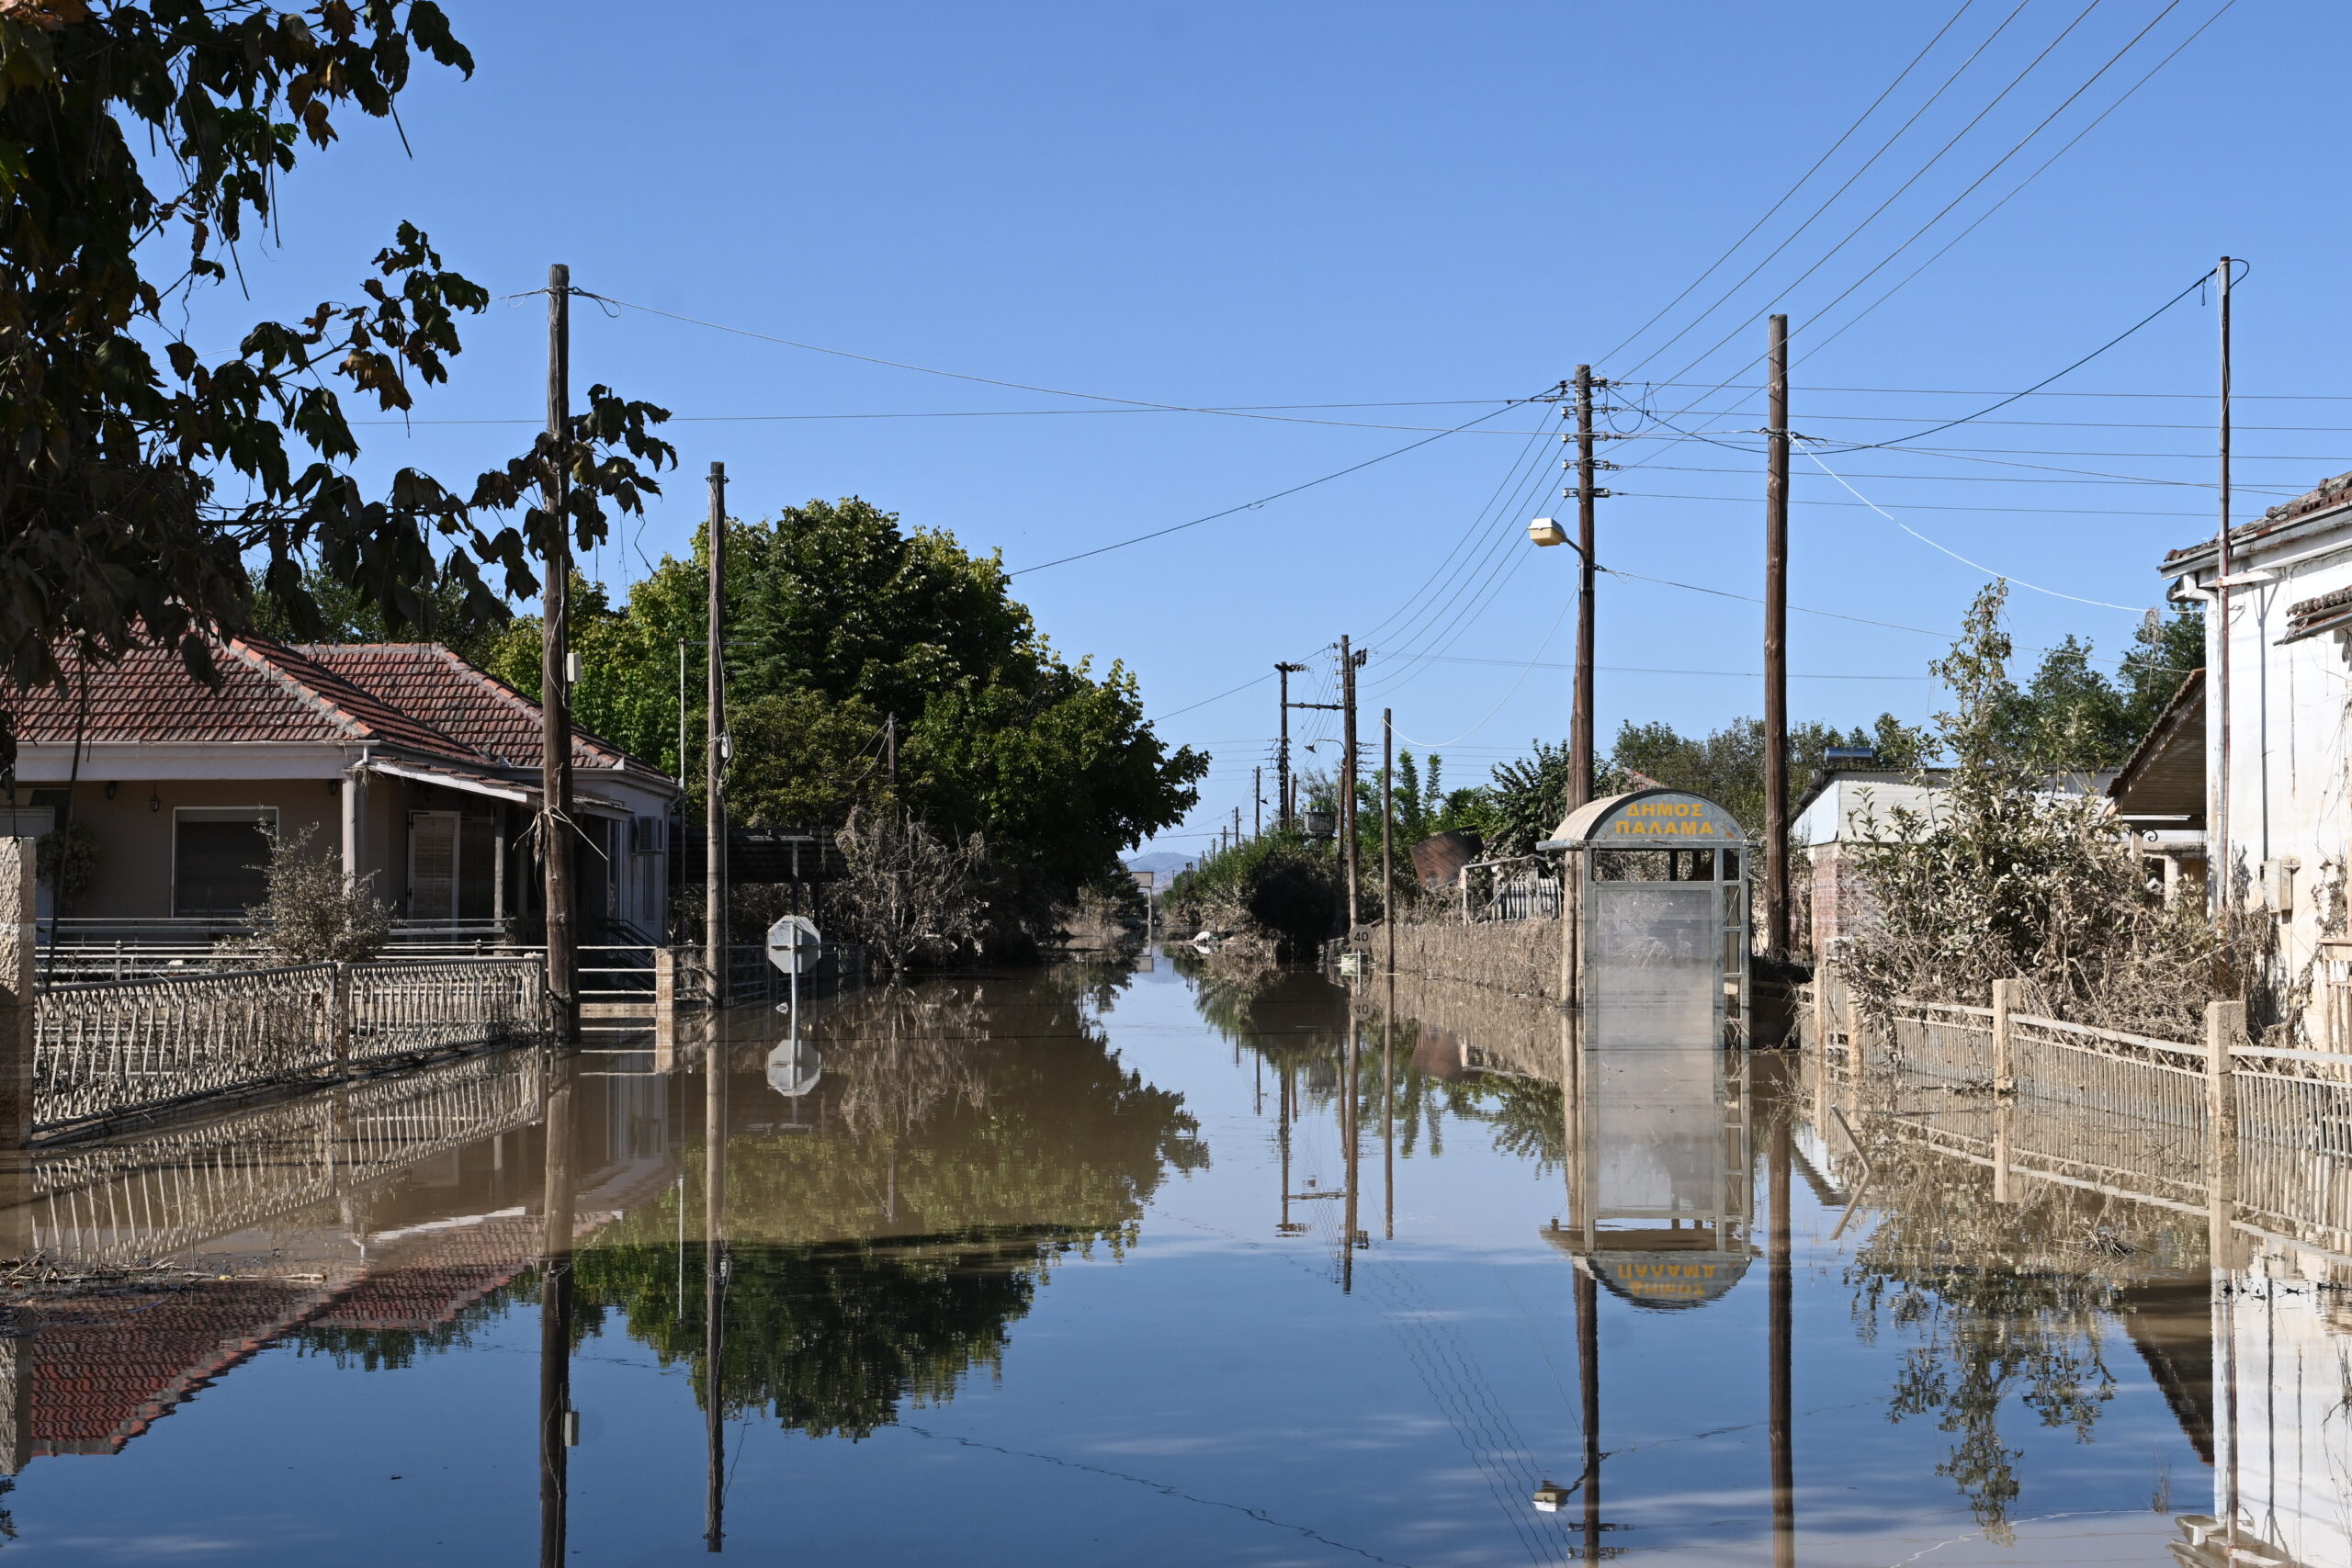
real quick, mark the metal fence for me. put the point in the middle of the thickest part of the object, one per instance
(129, 1202)
(1510, 889)
(105, 1051)
(399, 1010)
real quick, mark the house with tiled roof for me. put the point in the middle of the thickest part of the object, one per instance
(419, 772)
(2247, 769)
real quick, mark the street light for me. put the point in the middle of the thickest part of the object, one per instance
(1547, 531)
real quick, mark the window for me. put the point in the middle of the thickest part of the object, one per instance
(220, 858)
(649, 835)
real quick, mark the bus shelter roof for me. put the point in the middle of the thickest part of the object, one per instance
(1647, 819)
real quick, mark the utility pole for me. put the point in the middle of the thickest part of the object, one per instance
(1282, 802)
(1348, 779)
(1237, 827)
(1580, 719)
(1258, 803)
(555, 691)
(1388, 834)
(714, 810)
(1776, 648)
(2218, 878)
(890, 750)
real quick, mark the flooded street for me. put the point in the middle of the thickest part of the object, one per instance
(1108, 1266)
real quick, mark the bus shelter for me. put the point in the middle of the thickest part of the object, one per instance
(1659, 1147)
(1654, 927)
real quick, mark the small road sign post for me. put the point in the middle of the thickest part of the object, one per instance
(795, 947)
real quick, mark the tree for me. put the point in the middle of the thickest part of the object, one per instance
(1727, 766)
(2006, 877)
(840, 622)
(138, 478)
(309, 914)
(909, 894)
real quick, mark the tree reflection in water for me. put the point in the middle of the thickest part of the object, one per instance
(967, 1135)
(2007, 1301)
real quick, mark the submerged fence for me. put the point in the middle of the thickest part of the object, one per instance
(102, 1051)
(2259, 1136)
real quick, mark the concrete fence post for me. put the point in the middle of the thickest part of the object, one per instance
(2005, 1001)
(2224, 1030)
(339, 1021)
(665, 999)
(19, 946)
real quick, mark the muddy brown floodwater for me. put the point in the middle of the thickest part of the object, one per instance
(1123, 1265)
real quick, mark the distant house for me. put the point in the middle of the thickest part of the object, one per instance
(415, 770)
(2280, 849)
(1845, 810)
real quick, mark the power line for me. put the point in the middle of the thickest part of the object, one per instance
(1914, 178)
(1262, 500)
(2008, 577)
(2096, 120)
(1900, 78)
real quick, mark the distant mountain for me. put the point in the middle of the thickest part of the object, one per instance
(1160, 860)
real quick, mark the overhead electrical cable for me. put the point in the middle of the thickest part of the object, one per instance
(1916, 176)
(1868, 164)
(1900, 78)
(1263, 500)
(2007, 577)
(1814, 345)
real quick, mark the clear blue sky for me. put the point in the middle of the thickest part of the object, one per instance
(1225, 204)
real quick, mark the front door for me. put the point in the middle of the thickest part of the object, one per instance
(433, 865)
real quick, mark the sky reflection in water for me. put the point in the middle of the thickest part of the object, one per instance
(1054, 1268)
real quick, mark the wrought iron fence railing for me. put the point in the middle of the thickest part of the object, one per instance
(109, 1050)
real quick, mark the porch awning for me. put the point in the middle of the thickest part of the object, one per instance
(451, 778)
(483, 784)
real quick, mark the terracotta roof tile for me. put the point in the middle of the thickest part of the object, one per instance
(267, 693)
(460, 699)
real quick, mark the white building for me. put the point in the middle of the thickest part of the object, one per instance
(2277, 675)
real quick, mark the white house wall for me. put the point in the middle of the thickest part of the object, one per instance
(2288, 710)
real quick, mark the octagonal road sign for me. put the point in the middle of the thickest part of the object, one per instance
(794, 1067)
(793, 945)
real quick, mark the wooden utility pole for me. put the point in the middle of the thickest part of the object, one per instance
(1776, 648)
(555, 688)
(2218, 878)
(1348, 778)
(1258, 803)
(714, 807)
(1388, 834)
(890, 750)
(1283, 803)
(1580, 719)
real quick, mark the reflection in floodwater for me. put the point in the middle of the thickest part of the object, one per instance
(1461, 1286)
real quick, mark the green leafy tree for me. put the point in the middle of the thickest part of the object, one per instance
(137, 475)
(2006, 877)
(1727, 765)
(840, 623)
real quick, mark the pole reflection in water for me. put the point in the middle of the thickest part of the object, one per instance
(555, 1315)
(1348, 1108)
(1784, 1506)
(714, 1285)
(1388, 1113)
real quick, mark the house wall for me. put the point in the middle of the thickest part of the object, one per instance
(2287, 807)
(133, 876)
